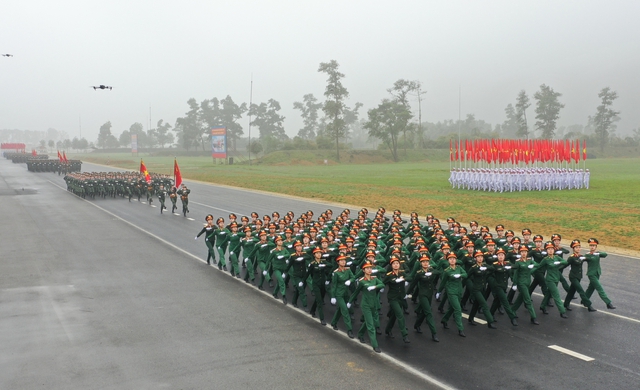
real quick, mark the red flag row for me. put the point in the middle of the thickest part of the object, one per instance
(62, 157)
(516, 151)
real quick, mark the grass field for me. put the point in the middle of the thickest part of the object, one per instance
(609, 210)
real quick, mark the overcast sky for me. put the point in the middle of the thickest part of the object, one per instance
(159, 54)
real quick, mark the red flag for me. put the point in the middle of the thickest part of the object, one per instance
(64, 157)
(176, 173)
(584, 150)
(33, 152)
(450, 150)
(143, 170)
(59, 156)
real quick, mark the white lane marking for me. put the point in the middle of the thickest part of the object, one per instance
(572, 353)
(190, 219)
(391, 359)
(176, 214)
(599, 311)
(478, 320)
(216, 208)
(153, 205)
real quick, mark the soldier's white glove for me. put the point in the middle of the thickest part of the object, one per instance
(347, 283)
(518, 256)
(382, 290)
(495, 256)
(596, 253)
(231, 252)
(582, 258)
(408, 296)
(300, 284)
(438, 295)
(327, 283)
(530, 266)
(406, 284)
(373, 271)
(218, 248)
(196, 238)
(246, 259)
(284, 275)
(349, 263)
(514, 287)
(348, 305)
(280, 257)
(287, 262)
(556, 262)
(264, 273)
(507, 267)
(544, 252)
(456, 276)
(558, 252)
(483, 268)
(428, 273)
(400, 279)
(371, 288)
(333, 301)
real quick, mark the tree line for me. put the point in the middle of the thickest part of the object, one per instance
(333, 122)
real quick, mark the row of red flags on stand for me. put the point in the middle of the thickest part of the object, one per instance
(516, 151)
(62, 157)
(177, 176)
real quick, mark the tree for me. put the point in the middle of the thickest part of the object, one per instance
(334, 107)
(229, 116)
(267, 120)
(193, 125)
(51, 144)
(138, 130)
(255, 148)
(401, 91)
(547, 110)
(605, 117)
(125, 139)
(309, 112)
(163, 135)
(509, 127)
(105, 132)
(522, 103)
(386, 122)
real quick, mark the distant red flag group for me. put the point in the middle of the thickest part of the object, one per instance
(517, 151)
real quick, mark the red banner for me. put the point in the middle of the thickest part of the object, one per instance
(143, 170)
(176, 173)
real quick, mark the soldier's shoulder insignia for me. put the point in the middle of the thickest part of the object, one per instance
(389, 273)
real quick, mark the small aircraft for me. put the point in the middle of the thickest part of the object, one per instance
(101, 87)
(7, 55)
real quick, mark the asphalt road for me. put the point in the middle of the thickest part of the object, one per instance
(108, 294)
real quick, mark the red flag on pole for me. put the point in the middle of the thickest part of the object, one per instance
(450, 150)
(33, 152)
(59, 156)
(64, 157)
(176, 173)
(584, 150)
(143, 170)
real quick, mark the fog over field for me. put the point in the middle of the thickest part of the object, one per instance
(158, 54)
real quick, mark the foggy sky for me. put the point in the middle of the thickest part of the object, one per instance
(159, 54)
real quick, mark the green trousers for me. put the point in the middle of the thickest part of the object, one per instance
(554, 294)
(370, 315)
(343, 312)
(500, 299)
(525, 297)
(425, 313)
(396, 313)
(455, 310)
(576, 287)
(594, 284)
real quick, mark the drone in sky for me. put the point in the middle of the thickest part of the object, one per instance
(101, 87)
(7, 55)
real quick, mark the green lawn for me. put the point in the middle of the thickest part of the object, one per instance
(609, 210)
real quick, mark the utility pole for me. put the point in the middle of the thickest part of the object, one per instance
(250, 102)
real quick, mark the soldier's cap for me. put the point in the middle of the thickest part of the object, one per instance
(397, 242)
(420, 241)
(473, 223)
(288, 230)
(424, 256)
(371, 254)
(263, 233)
(367, 264)
(464, 237)
(247, 229)
(538, 237)
(516, 239)
(526, 231)
(484, 229)
(268, 218)
(317, 250)
(455, 224)
(469, 243)
(423, 248)
(524, 249)
(487, 235)
(445, 246)
(556, 237)
(349, 239)
(306, 235)
(244, 218)
(490, 242)
(451, 256)
(478, 253)
(444, 239)
(430, 216)
(219, 220)
(450, 219)
(500, 250)
(254, 214)
(342, 247)
(499, 227)
(278, 238)
(575, 243)
(208, 217)
(297, 243)
(341, 257)
(463, 230)
(313, 229)
(232, 216)
(395, 250)
(416, 228)
(233, 224)
(592, 241)
(509, 233)
(275, 214)
(372, 243)
(393, 258)
(549, 244)
(324, 239)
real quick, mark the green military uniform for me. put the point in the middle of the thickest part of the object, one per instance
(222, 241)
(593, 273)
(499, 275)
(318, 271)
(298, 262)
(369, 287)
(425, 281)
(278, 264)
(553, 265)
(248, 244)
(396, 281)
(575, 276)
(261, 252)
(522, 279)
(452, 283)
(210, 237)
(234, 252)
(340, 281)
(476, 284)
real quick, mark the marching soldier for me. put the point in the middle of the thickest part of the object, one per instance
(184, 197)
(452, 278)
(594, 271)
(162, 193)
(209, 230)
(523, 268)
(318, 270)
(425, 279)
(341, 279)
(278, 264)
(173, 196)
(396, 281)
(476, 284)
(553, 265)
(298, 261)
(369, 286)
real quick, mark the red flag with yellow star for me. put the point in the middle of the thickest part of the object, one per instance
(143, 170)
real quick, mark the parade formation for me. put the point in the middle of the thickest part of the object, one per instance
(356, 260)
